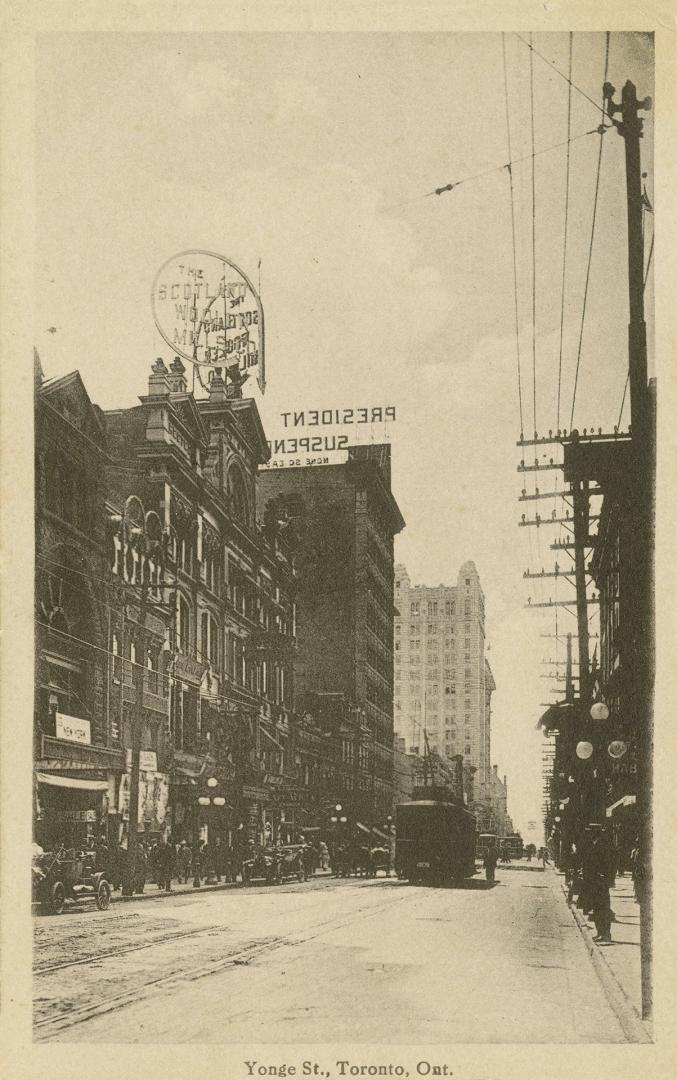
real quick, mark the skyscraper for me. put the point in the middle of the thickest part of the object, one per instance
(443, 682)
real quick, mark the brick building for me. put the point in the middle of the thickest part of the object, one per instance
(229, 592)
(344, 519)
(78, 756)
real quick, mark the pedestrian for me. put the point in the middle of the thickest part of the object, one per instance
(165, 864)
(490, 860)
(599, 872)
(140, 867)
(196, 863)
(324, 856)
(184, 861)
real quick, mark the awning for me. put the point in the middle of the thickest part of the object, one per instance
(72, 782)
(627, 800)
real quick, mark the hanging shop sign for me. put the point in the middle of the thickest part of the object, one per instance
(322, 436)
(74, 815)
(208, 311)
(73, 728)
(147, 760)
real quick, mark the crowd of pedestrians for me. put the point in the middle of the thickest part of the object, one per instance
(590, 869)
(160, 861)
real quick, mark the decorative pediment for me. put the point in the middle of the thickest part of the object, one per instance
(70, 399)
(186, 411)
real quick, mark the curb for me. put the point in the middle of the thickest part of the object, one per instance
(161, 894)
(634, 1028)
(217, 886)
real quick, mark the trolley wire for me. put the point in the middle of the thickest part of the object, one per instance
(514, 242)
(530, 46)
(566, 224)
(533, 232)
(602, 130)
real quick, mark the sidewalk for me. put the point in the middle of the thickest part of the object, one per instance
(618, 963)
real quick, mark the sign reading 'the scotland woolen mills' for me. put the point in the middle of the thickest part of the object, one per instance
(209, 312)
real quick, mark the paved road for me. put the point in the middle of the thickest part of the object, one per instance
(325, 961)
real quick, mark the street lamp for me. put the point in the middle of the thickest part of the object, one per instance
(599, 711)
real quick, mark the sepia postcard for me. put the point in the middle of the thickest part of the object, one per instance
(338, 599)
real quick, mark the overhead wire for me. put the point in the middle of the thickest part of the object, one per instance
(566, 224)
(529, 45)
(602, 130)
(514, 242)
(533, 232)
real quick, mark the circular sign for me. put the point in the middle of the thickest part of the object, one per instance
(617, 748)
(584, 750)
(209, 312)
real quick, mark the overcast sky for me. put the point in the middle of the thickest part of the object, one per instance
(315, 153)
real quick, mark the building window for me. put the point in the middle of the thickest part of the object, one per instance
(183, 625)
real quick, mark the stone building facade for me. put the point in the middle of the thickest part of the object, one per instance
(344, 519)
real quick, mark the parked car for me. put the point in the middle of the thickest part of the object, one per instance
(67, 875)
(273, 865)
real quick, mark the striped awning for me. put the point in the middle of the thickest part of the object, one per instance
(77, 782)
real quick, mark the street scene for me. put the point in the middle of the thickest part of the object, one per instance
(384, 960)
(344, 539)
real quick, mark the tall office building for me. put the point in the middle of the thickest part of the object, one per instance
(345, 518)
(443, 682)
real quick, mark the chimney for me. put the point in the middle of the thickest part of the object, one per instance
(176, 378)
(217, 386)
(158, 386)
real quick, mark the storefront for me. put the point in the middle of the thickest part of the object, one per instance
(75, 791)
(70, 809)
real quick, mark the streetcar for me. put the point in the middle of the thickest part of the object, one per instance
(435, 839)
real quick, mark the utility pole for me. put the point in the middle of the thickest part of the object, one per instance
(138, 674)
(569, 693)
(641, 643)
(581, 540)
(139, 530)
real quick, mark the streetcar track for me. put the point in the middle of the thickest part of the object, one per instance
(47, 1026)
(47, 969)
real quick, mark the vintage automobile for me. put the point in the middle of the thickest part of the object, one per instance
(64, 875)
(273, 865)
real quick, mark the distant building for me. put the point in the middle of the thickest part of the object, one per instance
(443, 682)
(344, 518)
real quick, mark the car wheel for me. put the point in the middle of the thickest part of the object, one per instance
(103, 895)
(57, 898)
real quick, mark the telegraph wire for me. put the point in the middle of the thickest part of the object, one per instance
(530, 46)
(566, 222)
(602, 130)
(533, 230)
(499, 168)
(514, 242)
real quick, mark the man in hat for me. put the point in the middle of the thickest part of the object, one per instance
(598, 875)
